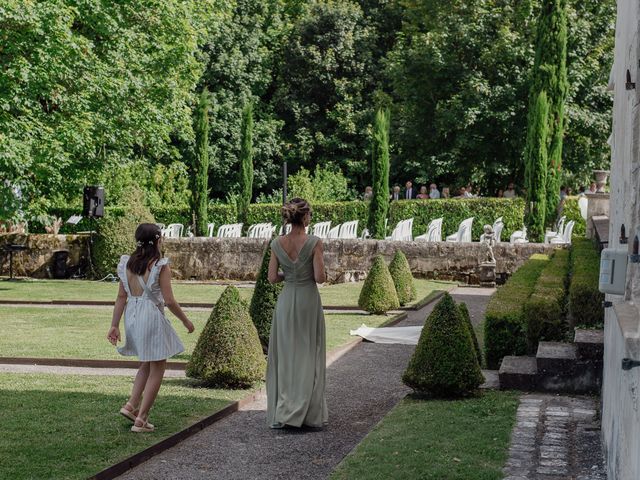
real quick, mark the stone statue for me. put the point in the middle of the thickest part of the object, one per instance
(490, 241)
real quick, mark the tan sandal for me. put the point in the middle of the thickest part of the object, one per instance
(144, 428)
(129, 414)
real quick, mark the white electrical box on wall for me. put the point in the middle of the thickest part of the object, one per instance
(613, 270)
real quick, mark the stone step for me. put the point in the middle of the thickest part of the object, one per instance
(556, 358)
(590, 344)
(518, 373)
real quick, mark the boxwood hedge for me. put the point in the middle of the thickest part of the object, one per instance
(585, 300)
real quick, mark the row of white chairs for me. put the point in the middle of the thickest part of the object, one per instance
(562, 233)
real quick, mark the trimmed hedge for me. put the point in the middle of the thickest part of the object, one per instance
(444, 363)
(378, 294)
(453, 211)
(466, 318)
(504, 328)
(545, 311)
(402, 278)
(585, 300)
(228, 353)
(263, 301)
(572, 212)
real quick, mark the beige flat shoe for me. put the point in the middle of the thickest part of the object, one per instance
(144, 427)
(129, 414)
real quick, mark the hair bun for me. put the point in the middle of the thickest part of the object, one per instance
(295, 210)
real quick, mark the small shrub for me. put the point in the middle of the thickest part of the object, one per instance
(228, 353)
(585, 300)
(466, 318)
(115, 233)
(504, 329)
(444, 363)
(263, 301)
(402, 278)
(378, 294)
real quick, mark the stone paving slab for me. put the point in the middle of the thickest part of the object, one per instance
(556, 438)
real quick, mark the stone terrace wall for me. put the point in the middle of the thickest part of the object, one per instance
(37, 260)
(346, 260)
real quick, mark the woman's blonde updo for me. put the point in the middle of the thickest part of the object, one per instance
(295, 210)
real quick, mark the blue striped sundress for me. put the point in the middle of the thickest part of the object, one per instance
(148, 333)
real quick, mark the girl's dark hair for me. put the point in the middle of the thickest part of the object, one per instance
(295, 210)
(146, 253)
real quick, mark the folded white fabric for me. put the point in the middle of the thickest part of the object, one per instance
(397, 335)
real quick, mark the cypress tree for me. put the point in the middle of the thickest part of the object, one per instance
(380, 171)
(201, 165)
(536, 167)
(246, 163)
(263, 301)
(550, 76)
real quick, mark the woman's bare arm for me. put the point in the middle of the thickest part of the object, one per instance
(170, 301)
(273, 275)
(319, 273)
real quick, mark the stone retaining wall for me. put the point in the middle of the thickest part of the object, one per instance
(202, 258)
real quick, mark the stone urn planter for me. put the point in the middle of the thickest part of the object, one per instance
(601, 177)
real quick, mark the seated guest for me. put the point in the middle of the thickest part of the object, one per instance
(396, 193)
(593, 188)
(500, 193)
(563, 192)
(433, 191)
(569, 191)
(423, 195)
(409, 191)
(445, 192)
(462, 192)
(368, 193)
(581, 191)
(510, 192)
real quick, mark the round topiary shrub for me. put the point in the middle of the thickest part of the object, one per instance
(115, 232)
(444, 363)
(464, 311)
(228, 353)
(378, 294)
(263, 301)
(402, 278)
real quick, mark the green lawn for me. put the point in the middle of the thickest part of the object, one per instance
(437, 440)
(56, 426)
(186, 292)
(81, 332)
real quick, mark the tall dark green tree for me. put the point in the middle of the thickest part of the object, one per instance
(246, 163)
(380, 172)
(549, 75)
(536, 167)
(201, 164)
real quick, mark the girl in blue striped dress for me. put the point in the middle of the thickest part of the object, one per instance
(145, 289)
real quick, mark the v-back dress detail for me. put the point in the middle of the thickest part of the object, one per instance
(148, 332)
(296, 365)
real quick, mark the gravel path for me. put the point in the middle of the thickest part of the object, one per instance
(362, 386)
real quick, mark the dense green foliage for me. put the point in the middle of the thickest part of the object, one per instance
(402, 278)
(228, 353)
(545, 310)
(201, 165)
(378, 294)
(116, 234)
(504, 328)
(585, 300)
(246, 164)
(324, 184)
(444, 363)
(535, 169)
(571, 210)
(263, 301)
(379, 204)
(466, 318)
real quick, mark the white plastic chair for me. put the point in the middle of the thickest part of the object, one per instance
(321, 229)
(558, 232)
(349, 229)
(403, 231)
(210, 229)
(233, 230)
(583, 204)
(174, 230)
(260, 230)
(434, 232)
(365, 234)
(334, 232)
(519, 236)
(161, 226)
(464, 232)
(565, 238)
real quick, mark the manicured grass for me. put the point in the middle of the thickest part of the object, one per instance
(56, 426)
(437, 440)
(81, 332)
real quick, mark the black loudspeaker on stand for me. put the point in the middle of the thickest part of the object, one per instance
(93, 202)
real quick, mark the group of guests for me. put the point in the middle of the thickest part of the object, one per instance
(411, 193)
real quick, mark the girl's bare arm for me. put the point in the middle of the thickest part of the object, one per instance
(170, 301)
(121, 301)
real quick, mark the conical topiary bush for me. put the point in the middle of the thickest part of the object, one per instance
(228, 352)
(378, 294)
(402, 278)
(444, 363)
(464, 311)
(263, 302)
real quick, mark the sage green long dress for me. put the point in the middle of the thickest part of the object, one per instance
(297, 357)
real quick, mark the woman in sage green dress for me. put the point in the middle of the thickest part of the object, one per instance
(296, 365)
